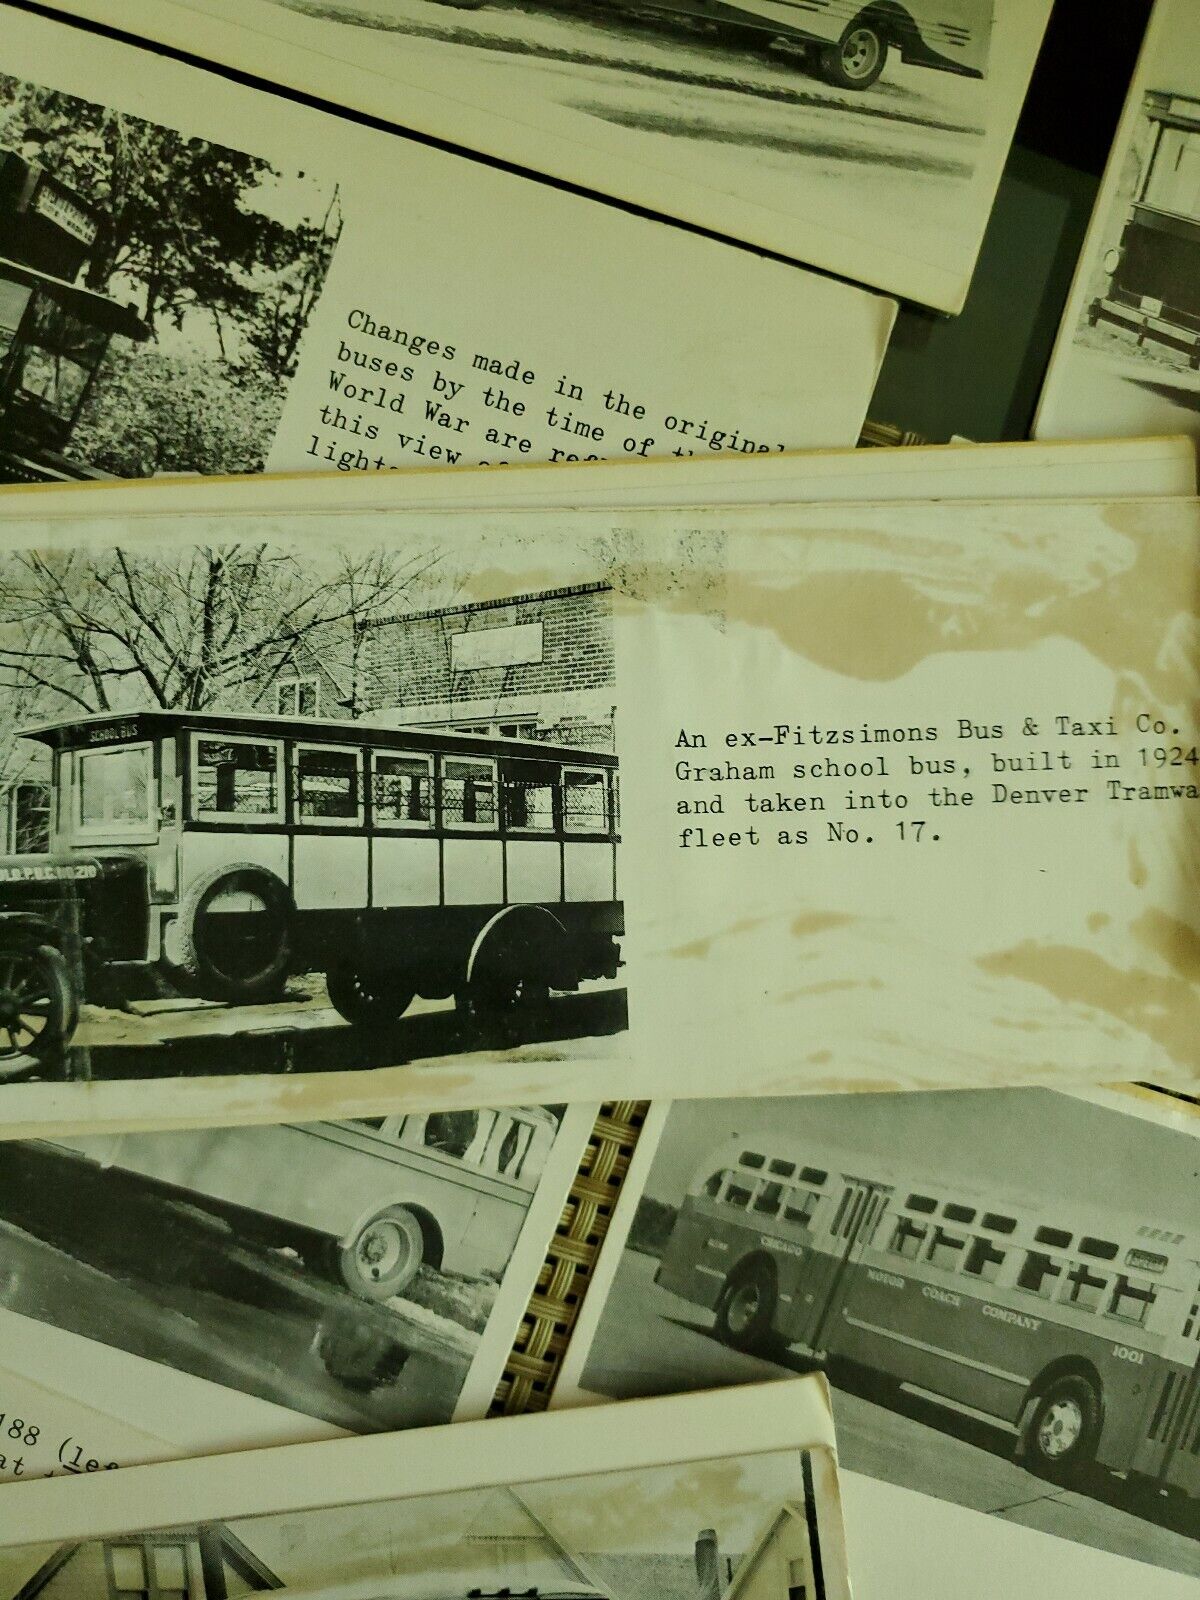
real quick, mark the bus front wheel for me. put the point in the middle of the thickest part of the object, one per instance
(384, 1256)
(1064, 1427)
(857, 59)
(38, 1004)
(367, 999)
(746, 1309)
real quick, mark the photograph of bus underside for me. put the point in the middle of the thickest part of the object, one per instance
(250, 879)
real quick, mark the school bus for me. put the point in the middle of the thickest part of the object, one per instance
(1078, 1334)
(367, 1201)
(222, 852)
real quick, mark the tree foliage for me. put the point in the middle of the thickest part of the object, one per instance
(203, 627)
(180, 220)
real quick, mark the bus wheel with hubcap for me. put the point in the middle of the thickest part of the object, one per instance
(384, 1255)
(746, 1309)
(232, 938)
(1065, 1424)
(857, 59)
(38, 1005)
(367, 999)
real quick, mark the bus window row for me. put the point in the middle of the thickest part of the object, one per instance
(769, 1198)
(1063, 1279)
(243, 778)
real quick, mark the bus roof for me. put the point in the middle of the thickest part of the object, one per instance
(96, 309)
(903, 1178)
(71, 732)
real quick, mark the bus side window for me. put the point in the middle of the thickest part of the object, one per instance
(1191, 1323)
(327, 784)
(768, 1199)
(527, 797)
(1132, 1299)
(585, 801)
(238, 777)
(801, 1204)
(984, 1260)
(907, 1237)
(451, 1132)
(468, 793)
(712, 1185)
(401, 791)
(738, 1192)
(1083, 1287)
(1037, 1274)
(945, 1249)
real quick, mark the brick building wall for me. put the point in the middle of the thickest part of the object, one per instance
(538, 664)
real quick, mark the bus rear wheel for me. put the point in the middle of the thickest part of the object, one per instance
(384, 1256)
(367, 999)
(857, 59)
(1064, 1428)
(746, 1309)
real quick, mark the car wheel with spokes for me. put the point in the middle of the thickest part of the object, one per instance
(38, 1004)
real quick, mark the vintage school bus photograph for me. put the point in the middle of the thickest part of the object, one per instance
(370, 1272)
(1003, 1287)
(154, 292)
(315, 811)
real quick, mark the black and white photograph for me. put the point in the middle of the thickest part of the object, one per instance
(155, 290)
(864, 137)
(1003, 1287)
(278, 808)
(1128, 353)
(742, 1524)
(368, 1274)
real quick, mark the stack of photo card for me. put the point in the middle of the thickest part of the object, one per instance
(468, 939)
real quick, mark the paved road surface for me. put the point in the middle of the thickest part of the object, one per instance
(99, 1255)
(921, 1445)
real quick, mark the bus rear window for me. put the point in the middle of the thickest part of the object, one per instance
(236, 777)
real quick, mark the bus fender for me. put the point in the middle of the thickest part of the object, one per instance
(529, 930)
(1064, 1367)
(24, 930)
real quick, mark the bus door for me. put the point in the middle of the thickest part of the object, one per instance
(1169, 1451)
(856, 1215)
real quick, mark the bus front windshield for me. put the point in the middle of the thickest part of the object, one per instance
(115, 789)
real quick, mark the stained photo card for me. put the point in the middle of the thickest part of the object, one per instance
(1127, 358)
(201, 277)
(189, 1292)
(866, 140)
(434, 809)
(1007, 1340)
(702, 1498)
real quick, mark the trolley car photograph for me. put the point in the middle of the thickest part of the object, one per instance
(217, 855)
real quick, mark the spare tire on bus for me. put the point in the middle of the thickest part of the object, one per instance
(232, 937)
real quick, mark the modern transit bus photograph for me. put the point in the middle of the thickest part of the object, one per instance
(1002, 1286)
